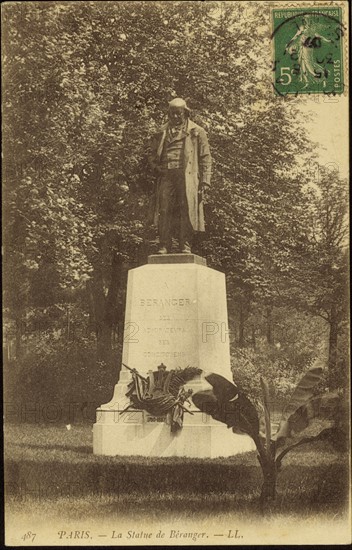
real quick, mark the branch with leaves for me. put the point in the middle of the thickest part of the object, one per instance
(306, 418)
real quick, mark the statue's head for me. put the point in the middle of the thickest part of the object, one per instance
(178, 111)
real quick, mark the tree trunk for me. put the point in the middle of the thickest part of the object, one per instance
(268, 466)
(269, 326)
(333, 335)
(253, 337)
(104, 342)
(268, 492)
(105, 307)
(18, 345)
(99, 298)
(241, 341)
(91, 310)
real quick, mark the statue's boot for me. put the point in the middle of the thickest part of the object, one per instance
(186, 248)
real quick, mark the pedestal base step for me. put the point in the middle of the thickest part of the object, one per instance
(130, 437)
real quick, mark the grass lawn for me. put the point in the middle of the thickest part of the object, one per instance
(51, 472)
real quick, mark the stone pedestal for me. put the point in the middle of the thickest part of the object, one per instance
(176, 314)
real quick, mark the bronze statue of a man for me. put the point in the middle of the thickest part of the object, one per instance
(180, 156)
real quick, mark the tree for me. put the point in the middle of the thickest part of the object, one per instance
(78, 117)
(326, 270)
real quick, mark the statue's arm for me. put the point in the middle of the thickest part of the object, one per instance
(204, 159)
(153, 159)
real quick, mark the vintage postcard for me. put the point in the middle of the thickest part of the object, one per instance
(175, 274)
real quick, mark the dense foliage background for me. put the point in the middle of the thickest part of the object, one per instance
(85, 85)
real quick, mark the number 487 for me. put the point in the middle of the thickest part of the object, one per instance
(29, 535)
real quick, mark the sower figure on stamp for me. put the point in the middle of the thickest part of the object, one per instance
(180, 156)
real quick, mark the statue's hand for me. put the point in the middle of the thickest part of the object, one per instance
(202, 191)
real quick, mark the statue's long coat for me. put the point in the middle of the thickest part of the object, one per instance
(197, 166)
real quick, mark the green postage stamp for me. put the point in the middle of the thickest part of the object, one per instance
(308, 50)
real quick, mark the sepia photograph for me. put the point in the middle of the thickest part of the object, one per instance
(175, 229)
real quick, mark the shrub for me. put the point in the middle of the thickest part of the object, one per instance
(248, 365)
(63, 373)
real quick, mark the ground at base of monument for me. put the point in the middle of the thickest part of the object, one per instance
(60, 469)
